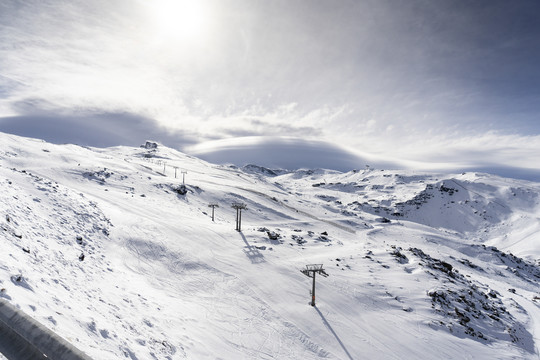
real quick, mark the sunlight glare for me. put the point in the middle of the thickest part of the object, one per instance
(184, 20)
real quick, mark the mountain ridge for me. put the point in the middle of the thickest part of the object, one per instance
(451, 260)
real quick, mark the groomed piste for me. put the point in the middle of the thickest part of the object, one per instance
(118, 256)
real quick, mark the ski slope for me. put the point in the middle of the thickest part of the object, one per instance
(98, 245)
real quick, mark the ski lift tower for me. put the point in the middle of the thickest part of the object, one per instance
(239, 207)
(213, 205)
(184, 172)
(310, 271)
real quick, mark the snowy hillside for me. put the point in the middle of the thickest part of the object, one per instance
(100, 246)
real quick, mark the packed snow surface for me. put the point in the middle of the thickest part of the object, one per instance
(109, 250)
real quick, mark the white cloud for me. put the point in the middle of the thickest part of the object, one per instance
(282, 152)
(392, 81)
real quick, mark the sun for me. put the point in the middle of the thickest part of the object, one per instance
(184, 20)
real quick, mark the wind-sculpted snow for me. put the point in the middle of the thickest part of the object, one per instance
(469, 308)
(508, 265)
(113, 251)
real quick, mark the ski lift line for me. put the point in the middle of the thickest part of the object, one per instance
(339, 226)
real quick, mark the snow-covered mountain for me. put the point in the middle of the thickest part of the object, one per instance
(100, 246)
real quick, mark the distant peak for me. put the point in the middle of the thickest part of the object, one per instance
(256, 169)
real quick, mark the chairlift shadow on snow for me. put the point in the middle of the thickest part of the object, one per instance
(333, 333)
(253, 254)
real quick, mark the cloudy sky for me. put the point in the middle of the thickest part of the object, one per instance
(426, 84)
